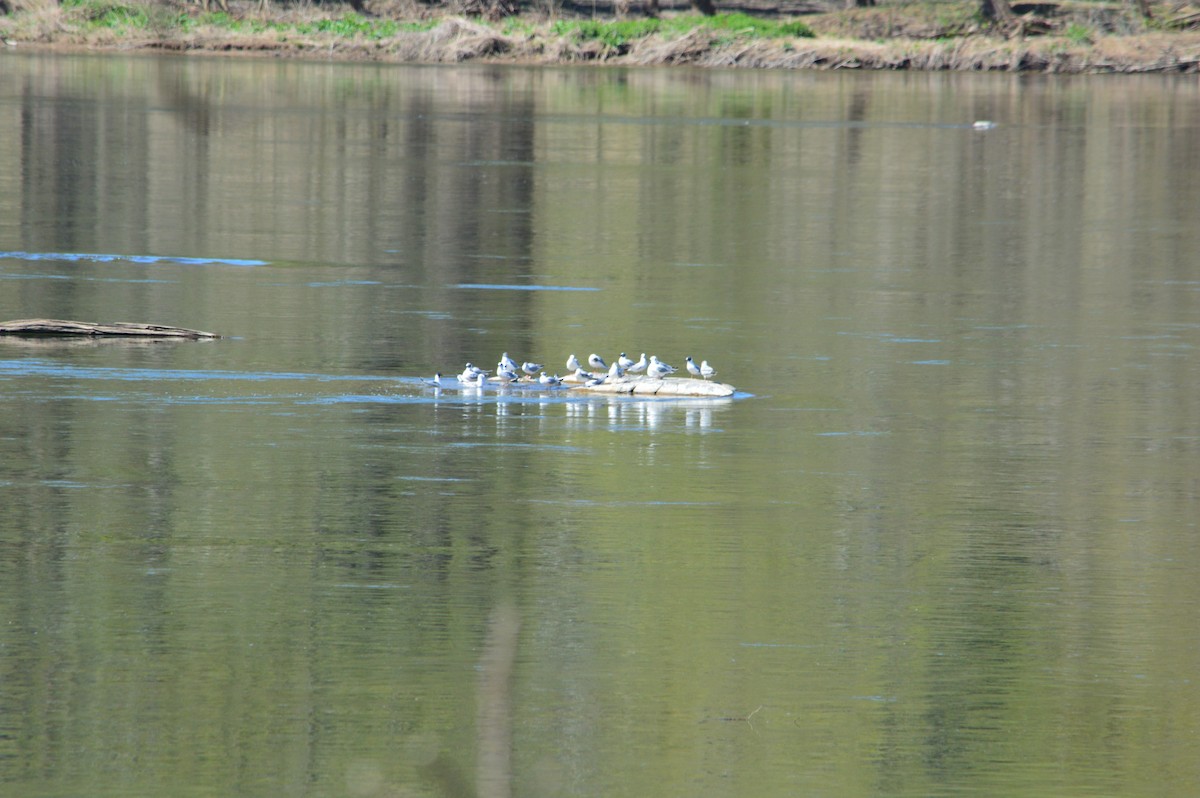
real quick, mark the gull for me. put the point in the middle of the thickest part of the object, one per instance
(572, 363)
(597, 362)
(473, 369)
(436, 382)
(468, 376)
(615, 371)
(548, 381)
(477, 382)
(507, 375)
(507, 363)
(692, 368)
(531, 368)
(584, 376)
(706, 370)
(638, 367)
(658, 369)
(659, 366)
(596, 381)
(625, 362)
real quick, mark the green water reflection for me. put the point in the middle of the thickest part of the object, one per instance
(948, 546)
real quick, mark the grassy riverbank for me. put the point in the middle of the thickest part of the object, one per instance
(1059, 37)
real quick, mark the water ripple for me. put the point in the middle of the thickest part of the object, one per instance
(97, 257)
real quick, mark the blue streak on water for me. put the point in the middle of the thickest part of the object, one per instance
(41, 368)
(96, 257)
(504, 287)
(84, 279)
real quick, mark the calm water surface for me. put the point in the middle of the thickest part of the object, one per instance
(943, 543)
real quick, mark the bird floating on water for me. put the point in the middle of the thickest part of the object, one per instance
(597, 362)
(436, 382)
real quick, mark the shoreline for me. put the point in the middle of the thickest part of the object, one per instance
(946, 39)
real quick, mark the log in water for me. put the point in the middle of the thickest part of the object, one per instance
(96, 329)
(669, 386)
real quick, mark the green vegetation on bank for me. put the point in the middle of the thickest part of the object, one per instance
(620, 32)
(113, 15)
(117, 15)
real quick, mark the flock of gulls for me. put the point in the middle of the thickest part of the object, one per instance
(509, 371)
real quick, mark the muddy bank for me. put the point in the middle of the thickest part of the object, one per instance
(1060, 38)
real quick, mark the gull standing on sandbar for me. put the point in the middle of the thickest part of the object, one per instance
(638, 367)
(706, 370)
(572, 363)
(597, 362)
(692, 368)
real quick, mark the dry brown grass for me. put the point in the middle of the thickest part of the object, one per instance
(455, 40)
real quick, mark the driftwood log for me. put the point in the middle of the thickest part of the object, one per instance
(45, 327)
(669, 386)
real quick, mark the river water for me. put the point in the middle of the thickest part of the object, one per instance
(943, 541)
